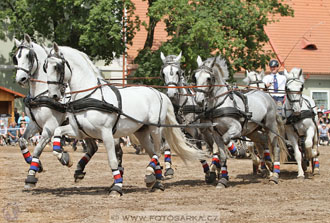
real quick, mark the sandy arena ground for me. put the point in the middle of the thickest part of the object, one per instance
(56, 198)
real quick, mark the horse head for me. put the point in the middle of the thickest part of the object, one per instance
(171, 72)
(58, 73)
(294, 87)
(213, 71)
(254, 79)
(25, 59)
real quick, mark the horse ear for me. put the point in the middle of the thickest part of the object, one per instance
(285, 72)
(162, 56)
(55, 47)
(178, 58)
(27, 38)
(199, 61)
(300, 72)
(246, 73)
(17, 42)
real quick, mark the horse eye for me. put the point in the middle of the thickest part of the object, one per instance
(208, 79)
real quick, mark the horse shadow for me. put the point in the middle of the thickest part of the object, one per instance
(92, 191)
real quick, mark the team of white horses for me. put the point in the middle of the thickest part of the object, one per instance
(98, 110)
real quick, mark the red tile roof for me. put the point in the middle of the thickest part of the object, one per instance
(309, 27)
(16, 94)
(288, 37)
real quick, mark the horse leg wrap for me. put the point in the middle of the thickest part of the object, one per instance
(35, 165)
(277, 167)
(158, 172)
(267, 155)
(205, 166)
(26, 154)
(224, 172)
(83, 162)
(232, 149)
(316, 166)
(117, 177)
(167, 156)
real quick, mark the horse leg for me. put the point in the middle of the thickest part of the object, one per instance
(169, 172)
(109, 144)
(234, 131)
(92, 148)
(30, 130)
(224, 178)
(209, 141)
(119, 155)
(277, 164)
(35, 165)
(58, 151)
(153, 171)
(293, 138)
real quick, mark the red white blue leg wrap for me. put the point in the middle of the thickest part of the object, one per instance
(277, 167)
(206, 167)
(27, 155)
(35, 164)
(232, 148)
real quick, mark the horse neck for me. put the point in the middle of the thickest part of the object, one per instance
(218, 94)
(37, 88)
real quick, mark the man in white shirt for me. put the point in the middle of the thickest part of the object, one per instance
(275, 82)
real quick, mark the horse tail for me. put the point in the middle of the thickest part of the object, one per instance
(281, 140)
(178, 142)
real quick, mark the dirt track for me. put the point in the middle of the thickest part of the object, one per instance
(248, 199)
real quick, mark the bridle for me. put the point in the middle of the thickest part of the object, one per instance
(31, 57)
(208, 70)
(257, 81)
(179, 73)
(60, 69)
(289, 81)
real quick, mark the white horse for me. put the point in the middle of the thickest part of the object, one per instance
(100, 111)
(238, 114)
(46, 114)
(301, 118)
(186, 110)
(254, 81)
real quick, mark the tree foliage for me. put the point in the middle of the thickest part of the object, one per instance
(93, 26)
(233, 28)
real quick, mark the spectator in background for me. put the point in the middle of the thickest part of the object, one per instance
(320, 118)
(324, 134)
(22, 129)
(16, 114)
(3, 134)
(13, 133)
(23, 119)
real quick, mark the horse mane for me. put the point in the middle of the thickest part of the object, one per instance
(95, 70)
(170, 59)
(220, 68)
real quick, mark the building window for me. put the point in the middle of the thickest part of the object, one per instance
(321, 98)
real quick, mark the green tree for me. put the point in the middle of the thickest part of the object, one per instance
(93, 26)
(233, 28)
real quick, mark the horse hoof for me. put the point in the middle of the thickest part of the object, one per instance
(222, 183)
(211, 178)
(316, 172)
(116, 191)
(150, 180)
(78, 175)
(28, 186)
(301, 177)
(169, 172)
(66, 160)
(158, 186)
(273, 180)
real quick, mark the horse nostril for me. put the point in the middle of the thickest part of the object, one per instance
(55, 96)
(23, 80)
